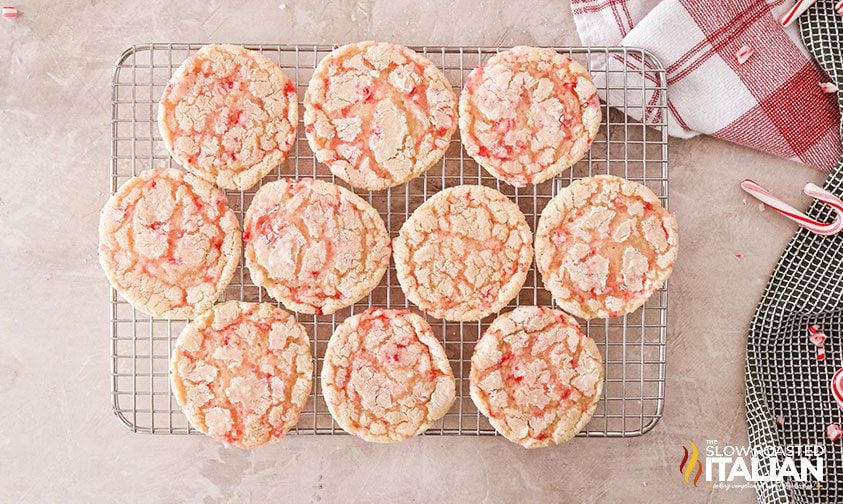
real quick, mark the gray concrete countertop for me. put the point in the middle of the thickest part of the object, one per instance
(58, 438)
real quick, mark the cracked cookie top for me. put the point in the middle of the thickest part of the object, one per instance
(378, 114)
(536, 376)
(528, 114)
(604, 245)
(229, 115)
(385, 376)
(464, 253)
(169, 243)
(313, 245)
(242, 373)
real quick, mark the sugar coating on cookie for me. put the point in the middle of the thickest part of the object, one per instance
(385, 376)
(229, 115)
(313, 245)
(604, 245)
(528, 114)
(536, 376)
(169, 243)
(242, 373)
(378, 114)
(464, 253)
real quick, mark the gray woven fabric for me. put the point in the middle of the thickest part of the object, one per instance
(783, 375)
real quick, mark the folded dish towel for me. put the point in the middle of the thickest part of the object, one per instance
(771, 102)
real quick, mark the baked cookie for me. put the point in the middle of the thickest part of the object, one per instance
(536, 376)
(229, 115)
(464, 253)
(604, 245)
(169, 244)
(242, 373)
(385, 376)
(378, 114)
(528, 114)
(313, 245)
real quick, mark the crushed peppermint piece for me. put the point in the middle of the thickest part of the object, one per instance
(739, 256)
(10, 12)
(833, 432)
(816, 336)
(820, 353)
(828, 87)
(780, 421)
(743, 54)
(762, 207)
(283, 6)
(839, 7)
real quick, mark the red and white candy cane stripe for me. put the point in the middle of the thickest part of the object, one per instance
(837, 387)
(833, 432)
(10, 12)
(798, 8)
(834, 227)
(839, 7)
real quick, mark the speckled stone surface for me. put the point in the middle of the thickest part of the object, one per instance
(58, 438)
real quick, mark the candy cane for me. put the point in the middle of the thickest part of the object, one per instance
(833, 432)
(837, 387)
(798, 8)
(761, 194)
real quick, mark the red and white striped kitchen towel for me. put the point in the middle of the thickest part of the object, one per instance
(772, 102)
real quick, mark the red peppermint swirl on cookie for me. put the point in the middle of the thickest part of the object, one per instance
(528, 114)
(604, 245)
(536, 376)
(229, 115)
(169, 243)
(385, 376)
(242, 373)
(378, 114)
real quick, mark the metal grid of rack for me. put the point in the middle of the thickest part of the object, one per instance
(630, 81)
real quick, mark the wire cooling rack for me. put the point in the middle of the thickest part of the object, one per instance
(630, 81)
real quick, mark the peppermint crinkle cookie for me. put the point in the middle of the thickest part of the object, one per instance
(242, 373)
(378, 114)
(464, 253)
(313, 245)
(528, 114)
(229, 115)
(536, 376)
(169, 243)
(385, 376)
(604, 245)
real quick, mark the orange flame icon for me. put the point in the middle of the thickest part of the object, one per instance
(689, 462)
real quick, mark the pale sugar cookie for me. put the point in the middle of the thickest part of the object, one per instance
(464, 253)
(536, 376)
(313, 245)
(169, 243)
(385, 376)
(229, 115)
(242, 373)
(378, 114)
(528, 114)
(604, 245)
